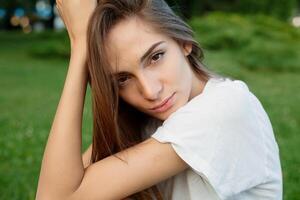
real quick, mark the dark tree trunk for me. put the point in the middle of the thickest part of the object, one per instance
(50, 22)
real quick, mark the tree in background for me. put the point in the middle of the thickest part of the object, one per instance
(49, 23)
(10, 6)
(29, 8)
(281, 9)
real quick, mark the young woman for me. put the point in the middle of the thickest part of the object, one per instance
(164, 126)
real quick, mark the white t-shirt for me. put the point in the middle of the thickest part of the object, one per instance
(226, 138)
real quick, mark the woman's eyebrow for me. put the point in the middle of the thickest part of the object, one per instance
(153, 46)
(150, 50)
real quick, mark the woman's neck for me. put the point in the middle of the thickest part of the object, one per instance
(197, 85)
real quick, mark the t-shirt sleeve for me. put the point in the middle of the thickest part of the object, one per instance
(219, 136)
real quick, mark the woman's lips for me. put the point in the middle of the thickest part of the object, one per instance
(168, 103)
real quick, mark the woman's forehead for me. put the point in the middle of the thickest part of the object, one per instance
(130, 30)
(130, 39)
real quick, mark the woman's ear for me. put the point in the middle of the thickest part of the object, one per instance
(187, 48)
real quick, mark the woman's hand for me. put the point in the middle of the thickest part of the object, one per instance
(76, 14)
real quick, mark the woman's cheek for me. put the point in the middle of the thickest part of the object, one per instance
(129, 95)
(170, 67)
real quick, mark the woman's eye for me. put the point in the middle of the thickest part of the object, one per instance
(157, 57)
(122, 80)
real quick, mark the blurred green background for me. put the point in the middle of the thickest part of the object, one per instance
(254, 41)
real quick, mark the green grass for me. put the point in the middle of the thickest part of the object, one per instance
(30, 91)
(31, 81)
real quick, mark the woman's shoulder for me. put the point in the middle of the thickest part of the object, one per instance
(220, 96)
(217, 88)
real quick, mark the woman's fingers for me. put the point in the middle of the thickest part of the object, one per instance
(75, 15)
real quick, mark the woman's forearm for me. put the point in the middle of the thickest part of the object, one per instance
(86, 156)
(62, 167)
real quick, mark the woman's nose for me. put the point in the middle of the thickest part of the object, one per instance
(150, 87)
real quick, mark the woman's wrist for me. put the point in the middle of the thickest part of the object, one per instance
(79, 43)
(79, 47)
(78, 54)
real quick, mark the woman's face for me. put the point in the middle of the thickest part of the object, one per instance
(151, 68)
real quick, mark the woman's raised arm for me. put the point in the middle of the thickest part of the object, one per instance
(62, 175)
(62, 166)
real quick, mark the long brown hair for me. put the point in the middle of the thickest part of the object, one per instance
(116, 124)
